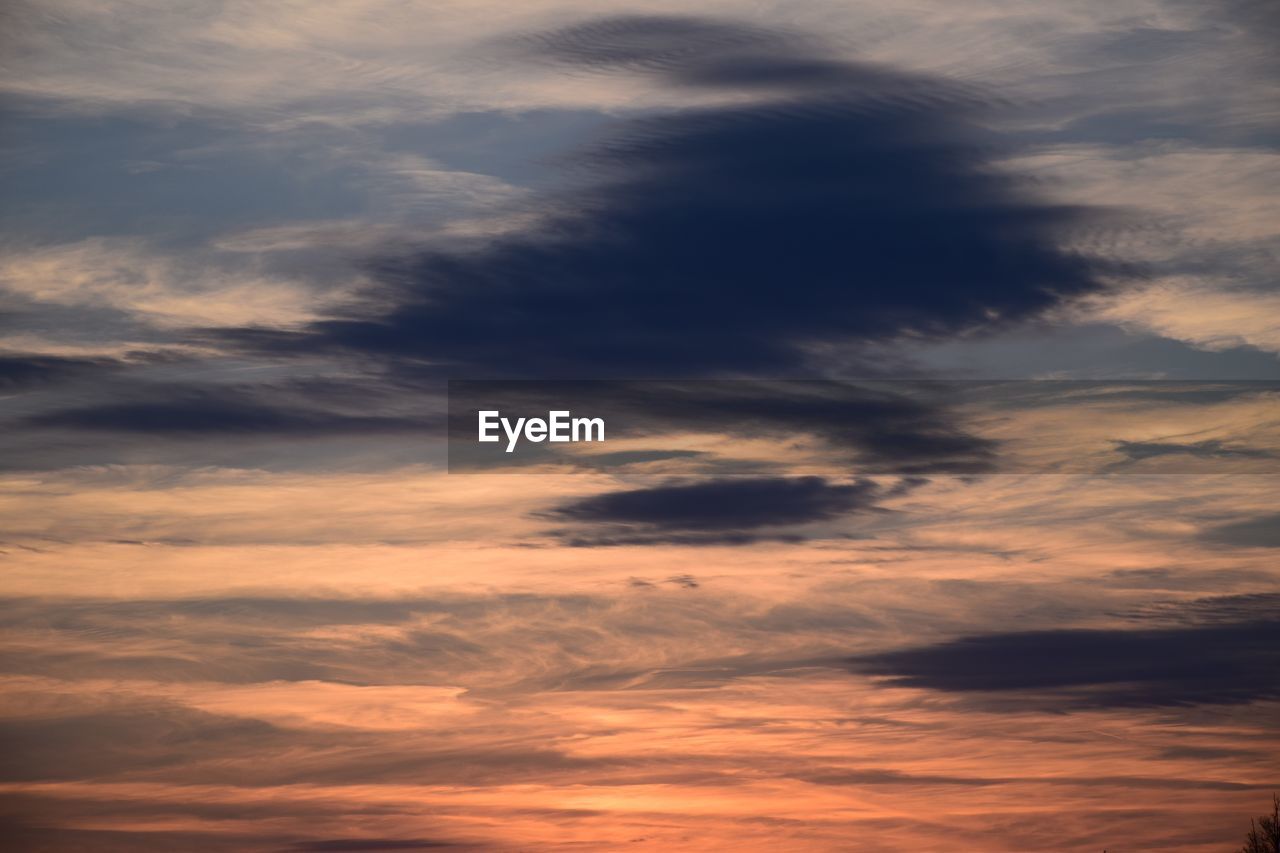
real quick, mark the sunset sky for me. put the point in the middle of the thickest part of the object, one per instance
(939, 342)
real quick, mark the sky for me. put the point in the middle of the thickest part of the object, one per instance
(939, 344)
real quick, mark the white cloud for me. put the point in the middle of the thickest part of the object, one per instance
(367, 61)
(1199, 313)
(1189, 197)
(1213, 210)
(160, 289)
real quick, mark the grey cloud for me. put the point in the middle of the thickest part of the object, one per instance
(865, 777)
(21, 371)
(1210, 449)
(352, 845)
(1226, 663)
(731, 512)
(723, 507)
(212, 411)
(1260, 532)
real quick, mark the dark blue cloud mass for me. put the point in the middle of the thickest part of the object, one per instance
(716, 512)
(725, 504)
(828, 202)
(1200, 662)
(25, 371)
(205, 412)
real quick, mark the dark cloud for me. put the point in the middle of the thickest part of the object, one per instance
(618, 536)
(1204, 753)
(1225, 609)
(838, 202)
(1260, 532)
(24, 371)
(1190, 393)
(1259, 22)
(725, 512)
(1211, 449)
(122, 742)
(35, 822)
(725, 504)
(1205, 580)
(51, 839)
(1199, 664)
(283, 425)
(1214, 610)
(348, 845)
(863, 777)
(197, 412)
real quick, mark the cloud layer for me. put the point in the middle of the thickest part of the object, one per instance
(244, 608)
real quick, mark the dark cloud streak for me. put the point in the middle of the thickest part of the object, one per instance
(19, 371)
(348, 845)
(1200, 664)
(210, 411)
(1259, 532)
(1211, 449)
(726, 512)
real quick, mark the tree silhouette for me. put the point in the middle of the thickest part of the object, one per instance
(1264, 833)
